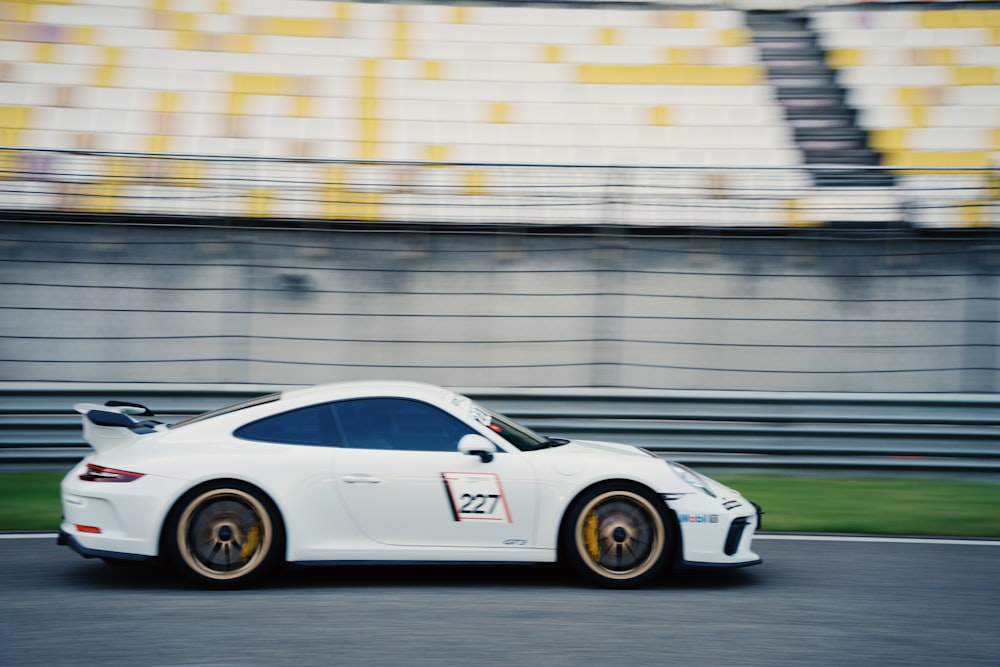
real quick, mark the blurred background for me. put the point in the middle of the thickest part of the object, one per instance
(770, 195)
(755, 236)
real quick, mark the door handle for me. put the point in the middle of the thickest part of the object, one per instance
(360, 479)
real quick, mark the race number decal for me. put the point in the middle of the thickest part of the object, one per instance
(476, 496)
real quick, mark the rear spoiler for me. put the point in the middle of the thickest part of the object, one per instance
(112, 425)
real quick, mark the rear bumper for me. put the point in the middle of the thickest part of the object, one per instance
(67, 540)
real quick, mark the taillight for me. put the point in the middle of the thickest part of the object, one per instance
(96, 473)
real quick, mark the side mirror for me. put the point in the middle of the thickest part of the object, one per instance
(476, 445)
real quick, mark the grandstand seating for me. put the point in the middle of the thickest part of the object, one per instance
(926, 83)
(402, 82)
(370, 83)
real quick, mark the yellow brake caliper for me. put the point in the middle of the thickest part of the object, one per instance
(590, 536)
(253, 541)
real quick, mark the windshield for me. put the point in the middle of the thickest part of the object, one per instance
(520, 436)
(260, 400)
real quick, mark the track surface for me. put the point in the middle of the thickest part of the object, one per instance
(810, 603)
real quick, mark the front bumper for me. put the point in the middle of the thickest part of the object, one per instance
(716, 532)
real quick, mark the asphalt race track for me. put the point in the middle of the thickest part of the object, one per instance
(810, 603)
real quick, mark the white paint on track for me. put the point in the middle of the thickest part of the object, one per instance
(882, 539)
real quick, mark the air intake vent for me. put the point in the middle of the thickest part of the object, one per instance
(735, 533)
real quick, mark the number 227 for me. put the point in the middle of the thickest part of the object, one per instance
(477, 504)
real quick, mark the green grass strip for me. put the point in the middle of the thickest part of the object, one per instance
(908, 506)
(30, 500)
(945, 507)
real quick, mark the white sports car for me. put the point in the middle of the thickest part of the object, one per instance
(385, 471)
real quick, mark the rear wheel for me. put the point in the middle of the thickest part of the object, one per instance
(225, 535)
(617, 536)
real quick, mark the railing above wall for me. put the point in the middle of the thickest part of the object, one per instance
(748, 5)
(82, 182)
(752, 430)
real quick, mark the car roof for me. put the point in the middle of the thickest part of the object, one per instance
(359, 388)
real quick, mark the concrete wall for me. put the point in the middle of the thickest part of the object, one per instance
(187, 304)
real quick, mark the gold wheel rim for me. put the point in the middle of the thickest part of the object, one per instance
(619, 535)
(224, 534)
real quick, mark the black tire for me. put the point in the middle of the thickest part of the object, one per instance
(224, 535)
(617, 535)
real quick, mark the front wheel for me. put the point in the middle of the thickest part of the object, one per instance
(226, 535)
(617, 536)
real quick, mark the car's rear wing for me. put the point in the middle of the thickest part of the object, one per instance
(108, 426)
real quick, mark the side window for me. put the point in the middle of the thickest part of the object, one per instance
(306, 426)
(398, 423)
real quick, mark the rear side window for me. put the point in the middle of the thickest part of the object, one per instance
(306, 426)
(398, 423)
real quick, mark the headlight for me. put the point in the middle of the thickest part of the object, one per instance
(690, 477)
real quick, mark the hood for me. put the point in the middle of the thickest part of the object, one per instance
(578, 455)
(597, 446)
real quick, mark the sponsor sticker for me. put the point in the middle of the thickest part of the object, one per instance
(480, 416)
(698, 518)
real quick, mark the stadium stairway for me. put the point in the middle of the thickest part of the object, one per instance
(825, 126)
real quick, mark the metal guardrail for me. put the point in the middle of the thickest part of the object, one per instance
(939, 432)
(218, 187)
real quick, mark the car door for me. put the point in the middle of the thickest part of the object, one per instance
(405, 483)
